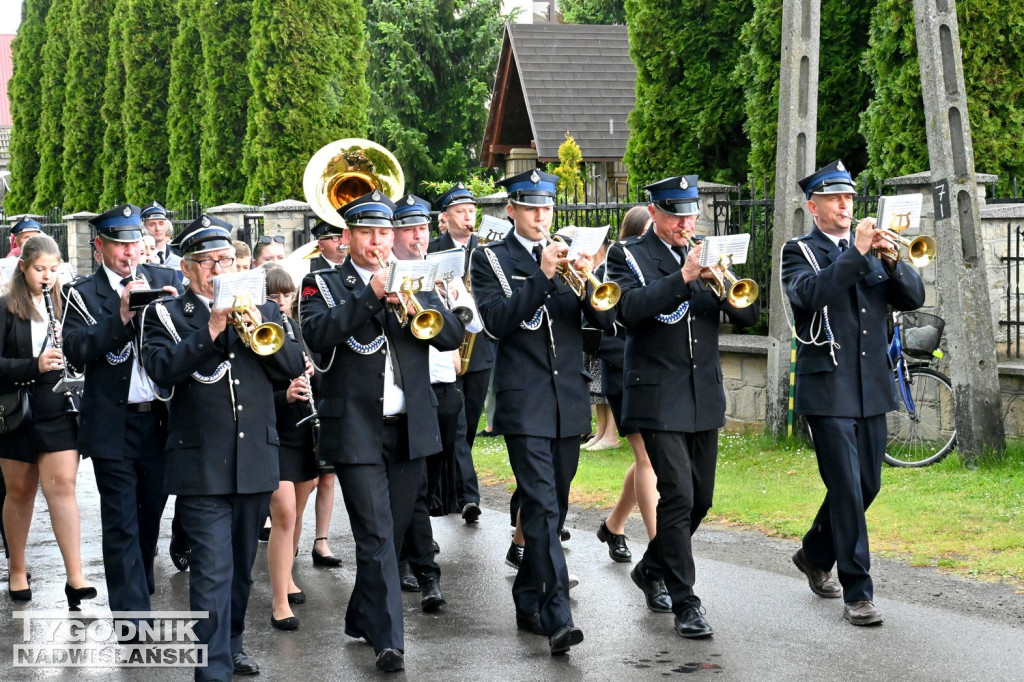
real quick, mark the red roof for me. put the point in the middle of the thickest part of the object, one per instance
(5, 75)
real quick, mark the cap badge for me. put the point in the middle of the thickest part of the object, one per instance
(410, 201)
(682, 183)
(189, 307)
(461, 186)
(206, 221)
(840, 167)
(534, 177)
(376, 195)
(127, 212)
(350, 280)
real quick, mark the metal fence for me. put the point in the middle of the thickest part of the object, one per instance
(53, 224)
(1013, 321)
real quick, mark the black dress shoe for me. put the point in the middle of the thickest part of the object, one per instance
(75, 595)
(244, 665)
(289, 623)
(658, 599)
(431, 599)
(529, 622)
(297, 597)
(484, 433)
(617, 549)
(470, 512)
(327, 560)
(691, 622)
(390, 661)
(565, 637)
(564, 534)
(434, 546)
(180, 552)
(821, 582)
(862, 613)
(514, 555)
(410, 583)
(20, 595)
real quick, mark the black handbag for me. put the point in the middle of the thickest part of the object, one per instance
(14, 409)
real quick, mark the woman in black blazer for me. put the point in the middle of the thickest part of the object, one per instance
(42, 450)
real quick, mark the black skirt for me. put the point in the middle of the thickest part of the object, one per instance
(50, 428)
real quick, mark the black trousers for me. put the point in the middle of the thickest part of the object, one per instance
(443, 471)
(474, 388)
(132, 501)
(544, 469)
(223, 532)
(381, 498)
(850, 452)
(685, 466)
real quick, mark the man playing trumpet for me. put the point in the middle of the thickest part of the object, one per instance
(840, 292)
(376, 410)
(672, 387)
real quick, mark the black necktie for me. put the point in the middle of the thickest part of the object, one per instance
(160, 255)
(842, 245)
(125, 280)
(681, 251)
(537, 251)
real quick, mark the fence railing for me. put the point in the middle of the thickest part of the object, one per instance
(52, 223)
(1011, 319)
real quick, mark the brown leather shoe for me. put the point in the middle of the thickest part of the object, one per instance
(862, 613)
(821, 582)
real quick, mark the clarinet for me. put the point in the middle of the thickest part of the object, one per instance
(313, 416)
(69, 384)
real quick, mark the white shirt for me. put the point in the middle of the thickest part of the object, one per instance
(527, 243)
(40, 328)
(835, 239)
(442, 366)
(394, 396)
(679, 259)
(141, 389)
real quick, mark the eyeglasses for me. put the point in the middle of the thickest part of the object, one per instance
(277, 298)
(267, 238)
(209, 263)
(333, 238)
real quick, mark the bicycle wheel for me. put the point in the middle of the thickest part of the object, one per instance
(927, 435)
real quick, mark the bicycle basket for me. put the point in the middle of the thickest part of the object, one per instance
(921, 333)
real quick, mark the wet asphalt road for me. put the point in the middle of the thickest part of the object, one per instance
(768, 625)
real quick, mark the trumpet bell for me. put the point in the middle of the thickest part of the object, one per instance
(346, 169)
(266, 339)
(743, 293)
(921, 251)
(605, 296)
(426, 324)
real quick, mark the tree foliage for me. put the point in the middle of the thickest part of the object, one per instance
(570, 156)
(26, 100)
(593, 11)
(992, 36)
(689, 108)
(49, 184)
(114, 161)
(184, 106)
(307, 67)
(432, 68)
(150, 26)
(83, 122)
(843, 86)
(224, 26)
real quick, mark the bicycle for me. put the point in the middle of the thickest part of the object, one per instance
(922, 430)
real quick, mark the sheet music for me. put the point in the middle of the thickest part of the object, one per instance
(588, 241)
(730, 245)
(492, 229)
(451, 263)
(900, 212)
(417, 274)
(252, 283)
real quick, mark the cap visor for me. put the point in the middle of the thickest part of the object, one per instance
(369, 222)
(835, 188)
(534, 200)
(215, 244)
(133, 234)
(679, 208)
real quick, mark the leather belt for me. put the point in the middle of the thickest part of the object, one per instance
(141, 407)
(393, 418)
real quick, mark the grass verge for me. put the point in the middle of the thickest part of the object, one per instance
(966, 520)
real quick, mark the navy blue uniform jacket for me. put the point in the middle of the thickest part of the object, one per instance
(664, 387)
(540, 392)
(856, 289)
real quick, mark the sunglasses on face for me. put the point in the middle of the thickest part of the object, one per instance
(267, 239)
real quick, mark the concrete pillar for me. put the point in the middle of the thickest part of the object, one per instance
(287, 218)
(80, 237)
(794, 160)
(961, 277)
(233, 214)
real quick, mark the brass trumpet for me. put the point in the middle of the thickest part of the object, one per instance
(741, 293)
(262, 339)
(921, 250)
(426, 324)
(606, 294)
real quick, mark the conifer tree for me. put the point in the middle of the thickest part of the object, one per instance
(49, 184)
(150, 28)
(224, 28)
(593, 11)
(185, 107)
(307, 67)
(83, 122)
(114, 163)
(26, 97)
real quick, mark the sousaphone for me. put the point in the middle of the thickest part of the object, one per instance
(347, 169)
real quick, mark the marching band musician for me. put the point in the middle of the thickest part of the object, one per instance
(332, 249)
(377, 411)
(672, 387)
(222, 446)
(123, 423)
(457, 206)
(541, 391)
(844, 385)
